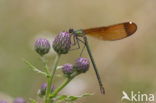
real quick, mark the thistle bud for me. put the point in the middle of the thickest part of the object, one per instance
(19, 100)
(62, 43)
(67, 69)
(81, 65)
(42, 91)
(3, 101)
(42, 46)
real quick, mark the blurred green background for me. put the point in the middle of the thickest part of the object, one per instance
(127, 64)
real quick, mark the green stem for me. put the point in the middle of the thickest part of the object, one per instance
(57, 90)
(50, 78)
(45, 65)
(61, 87)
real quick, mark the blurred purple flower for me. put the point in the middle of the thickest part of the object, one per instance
(44, 86)
(3, 101)
(42, 91)
(19, 100)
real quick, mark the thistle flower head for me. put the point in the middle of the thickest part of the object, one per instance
(62, 42)
(3, 101)
(42, 91)
(81, 65)
(44, 86)
(67, 69)
(42, 46)
(19, 100)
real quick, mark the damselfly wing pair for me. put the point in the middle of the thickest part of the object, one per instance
(113, 32)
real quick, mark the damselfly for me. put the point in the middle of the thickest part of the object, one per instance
(113, 32)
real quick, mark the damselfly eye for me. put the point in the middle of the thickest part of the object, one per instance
(71, 30)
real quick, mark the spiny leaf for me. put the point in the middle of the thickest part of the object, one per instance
(73, 98)
(70, 99)
(32, 67)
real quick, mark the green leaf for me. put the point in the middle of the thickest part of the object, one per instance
(61, 98)
(32, 67)
(33, 100)
(70, 99)
(73, 98)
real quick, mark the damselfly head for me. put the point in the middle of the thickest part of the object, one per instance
(71, 30)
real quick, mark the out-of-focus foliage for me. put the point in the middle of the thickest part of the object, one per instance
(127, 64)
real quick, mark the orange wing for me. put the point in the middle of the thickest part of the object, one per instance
(114, 32)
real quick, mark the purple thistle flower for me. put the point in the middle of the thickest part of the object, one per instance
(3, 101)
(42, 46)
(62, 42)
(67, 69)
(42, 91)
(81, 65)
(19, 100)
(44, 86)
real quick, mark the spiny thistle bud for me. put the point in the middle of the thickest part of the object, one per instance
(42, 91)
(3, 101)
(19, 100)
(67, 69)
(62, 42)
(81, 65)
(42, 46)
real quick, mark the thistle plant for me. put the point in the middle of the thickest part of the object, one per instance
(61, 45)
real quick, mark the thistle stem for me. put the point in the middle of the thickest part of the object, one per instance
(57, 90)
(50, 78)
